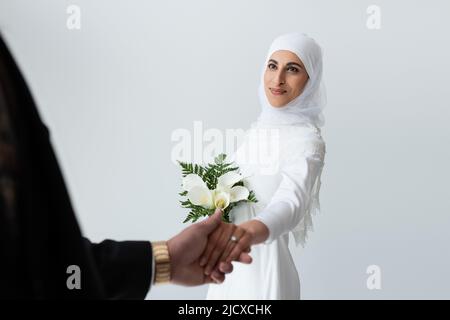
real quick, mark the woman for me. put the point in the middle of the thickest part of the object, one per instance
(287, 186)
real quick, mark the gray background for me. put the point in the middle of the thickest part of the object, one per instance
(113, 92)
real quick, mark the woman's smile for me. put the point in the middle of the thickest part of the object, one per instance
(277, 91)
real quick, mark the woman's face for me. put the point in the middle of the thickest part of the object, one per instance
(285, 78)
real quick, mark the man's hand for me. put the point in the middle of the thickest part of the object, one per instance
(186, 248)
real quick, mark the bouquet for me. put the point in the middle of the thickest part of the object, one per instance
(218, 185)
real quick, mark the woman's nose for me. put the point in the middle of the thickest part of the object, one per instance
(279, 78)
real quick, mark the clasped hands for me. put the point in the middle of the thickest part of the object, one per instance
(229, 242)
(203, 252)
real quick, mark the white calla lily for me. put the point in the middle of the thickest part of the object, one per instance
(229, 188)
(201, 196)
(228, 179)
(221, 199)
(192, 180)
(238, 193)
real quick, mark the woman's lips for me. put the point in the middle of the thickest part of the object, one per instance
(277, 92)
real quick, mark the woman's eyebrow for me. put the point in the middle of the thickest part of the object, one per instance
(287, 64)
(294, 63)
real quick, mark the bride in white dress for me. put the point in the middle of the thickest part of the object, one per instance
(282, 155)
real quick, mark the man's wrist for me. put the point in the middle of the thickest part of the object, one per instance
(162, 267)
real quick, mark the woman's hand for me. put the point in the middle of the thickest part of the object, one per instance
(221, 247)
(222, 250)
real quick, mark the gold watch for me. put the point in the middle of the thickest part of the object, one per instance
(162, 262)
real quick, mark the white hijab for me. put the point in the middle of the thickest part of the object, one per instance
(307, 107)
(303, 111)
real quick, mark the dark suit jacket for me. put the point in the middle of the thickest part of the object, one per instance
(39, 234)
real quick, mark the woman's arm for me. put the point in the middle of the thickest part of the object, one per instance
(292, 200)
(285, 210)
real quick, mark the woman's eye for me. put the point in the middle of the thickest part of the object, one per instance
(293, 69)
(271, 66)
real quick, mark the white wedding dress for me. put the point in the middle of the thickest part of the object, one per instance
(283, 165)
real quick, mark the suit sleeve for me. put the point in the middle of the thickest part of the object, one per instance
(124, 266)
